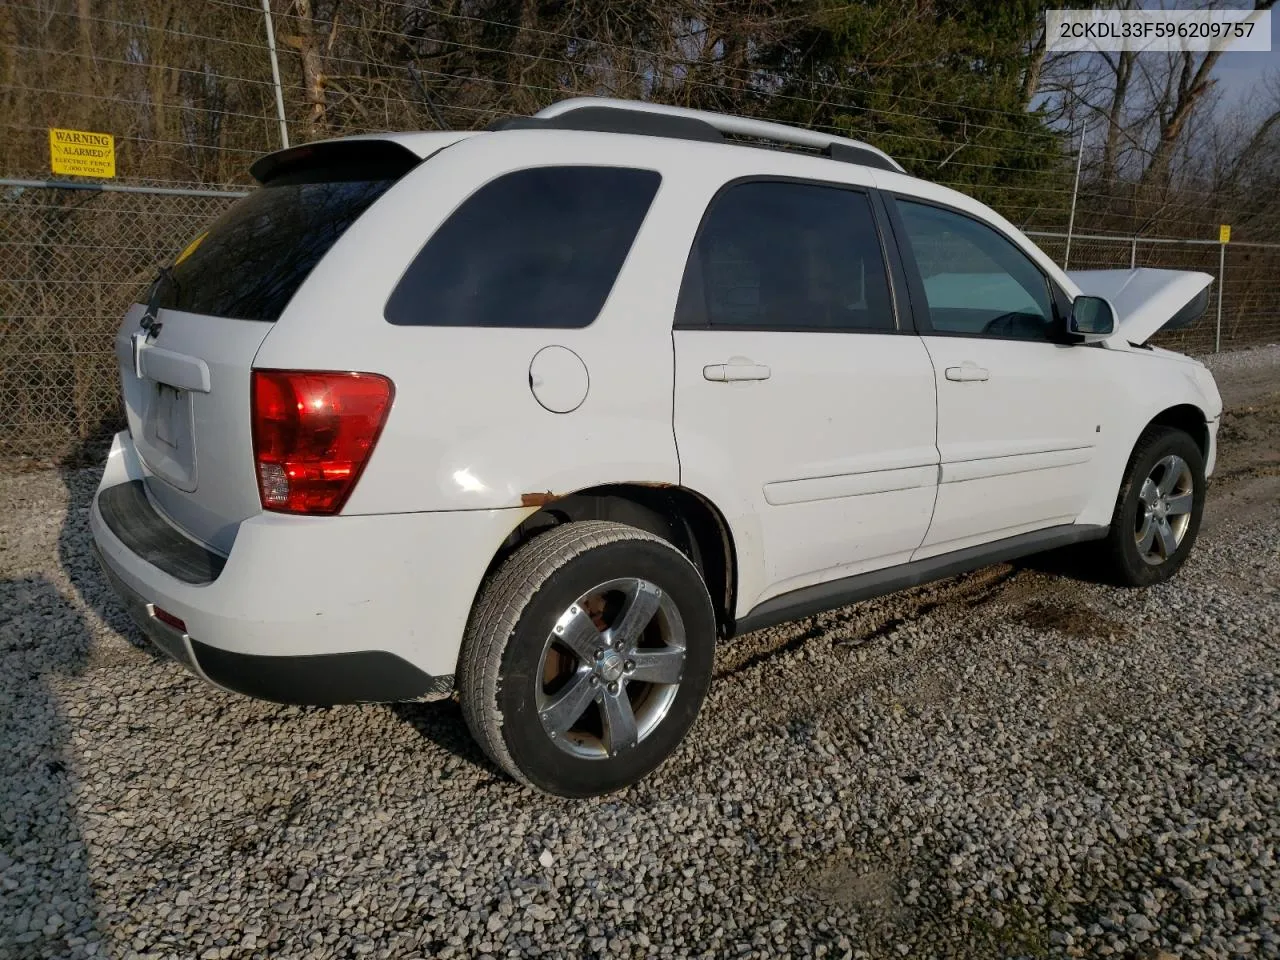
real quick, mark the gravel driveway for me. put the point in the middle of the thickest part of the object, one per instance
(1011, 763)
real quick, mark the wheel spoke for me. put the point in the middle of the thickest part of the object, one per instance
(1168, 540)
(1147, 535)
(1180, 504)
(642, 604)
(624, 629)
(657, 666)
(619, 721)
(577, 632)
(1148, 494)
(1172, 471)
(570, 703)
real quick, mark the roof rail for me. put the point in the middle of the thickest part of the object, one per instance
(838, 148)
(608, 120)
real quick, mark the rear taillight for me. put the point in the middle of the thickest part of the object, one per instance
(313, 433)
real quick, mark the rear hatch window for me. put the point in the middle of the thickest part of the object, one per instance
(250, 262)
(186, 382)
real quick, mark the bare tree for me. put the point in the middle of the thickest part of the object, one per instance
(1122, 67)
(309, 41)
(1185, 87)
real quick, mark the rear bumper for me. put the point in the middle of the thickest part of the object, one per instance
(320, 610)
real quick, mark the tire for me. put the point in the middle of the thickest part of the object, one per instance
(535, 651)
(1165, 473)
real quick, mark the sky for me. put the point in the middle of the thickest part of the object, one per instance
(1240, 74)
(1239, 77)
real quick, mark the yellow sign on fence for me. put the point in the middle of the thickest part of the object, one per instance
(1224, 233)
(79, 153)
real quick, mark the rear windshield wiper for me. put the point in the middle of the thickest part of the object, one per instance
(164, 281)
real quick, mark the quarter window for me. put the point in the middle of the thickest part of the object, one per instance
(976, 281)
(779, 255)
(535, 248)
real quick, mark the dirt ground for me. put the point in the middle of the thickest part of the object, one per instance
(1247, 476)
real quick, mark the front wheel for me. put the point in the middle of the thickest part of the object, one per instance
(587, 657)
(1157, 513)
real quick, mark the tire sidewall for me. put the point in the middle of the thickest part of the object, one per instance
(546, 765)
(1138, 571)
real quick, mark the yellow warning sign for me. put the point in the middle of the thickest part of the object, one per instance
(1224, 233)
(79, 153)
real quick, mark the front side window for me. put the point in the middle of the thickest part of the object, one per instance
(536, 248)
(975, 280)
(779, 255)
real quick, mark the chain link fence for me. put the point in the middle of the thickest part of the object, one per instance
(71, 263)
(74, 260)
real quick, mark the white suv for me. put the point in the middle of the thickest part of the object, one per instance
(542, 413)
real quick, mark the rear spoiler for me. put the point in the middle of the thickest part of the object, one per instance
(330, 160)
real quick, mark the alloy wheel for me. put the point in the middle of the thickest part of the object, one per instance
(1164, 509)
(610, 668)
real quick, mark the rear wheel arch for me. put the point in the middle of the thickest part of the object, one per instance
(681, 516)
(579, 697)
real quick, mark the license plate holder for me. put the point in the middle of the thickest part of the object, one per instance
(167, 444)
(168, 412)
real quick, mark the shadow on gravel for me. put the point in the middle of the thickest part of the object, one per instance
(49, 907)
(1073, 563)
(80, 472)
(48, 902)
(441, 722)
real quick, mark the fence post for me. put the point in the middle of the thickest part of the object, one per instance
(1133, 254)
(1222, 276)
(275, 72)
(1071, 221)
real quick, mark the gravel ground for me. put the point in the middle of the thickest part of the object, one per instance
(1011, 763)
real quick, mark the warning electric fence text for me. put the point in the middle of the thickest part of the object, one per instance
(79, 153)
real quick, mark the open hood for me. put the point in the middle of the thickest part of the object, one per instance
(1147, 301)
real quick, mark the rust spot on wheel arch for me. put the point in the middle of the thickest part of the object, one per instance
(536, 499)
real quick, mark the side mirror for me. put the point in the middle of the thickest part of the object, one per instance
(1092, 318)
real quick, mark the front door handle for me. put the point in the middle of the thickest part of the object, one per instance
(968, 372)
(738, 368)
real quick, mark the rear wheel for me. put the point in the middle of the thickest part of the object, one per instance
(1157, 513)
(587, 657)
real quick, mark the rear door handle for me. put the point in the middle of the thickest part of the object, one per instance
(968, 372)
(738, 368)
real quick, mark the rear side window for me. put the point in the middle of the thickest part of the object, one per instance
(535, 248)
(779, 255)
(253, 258)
